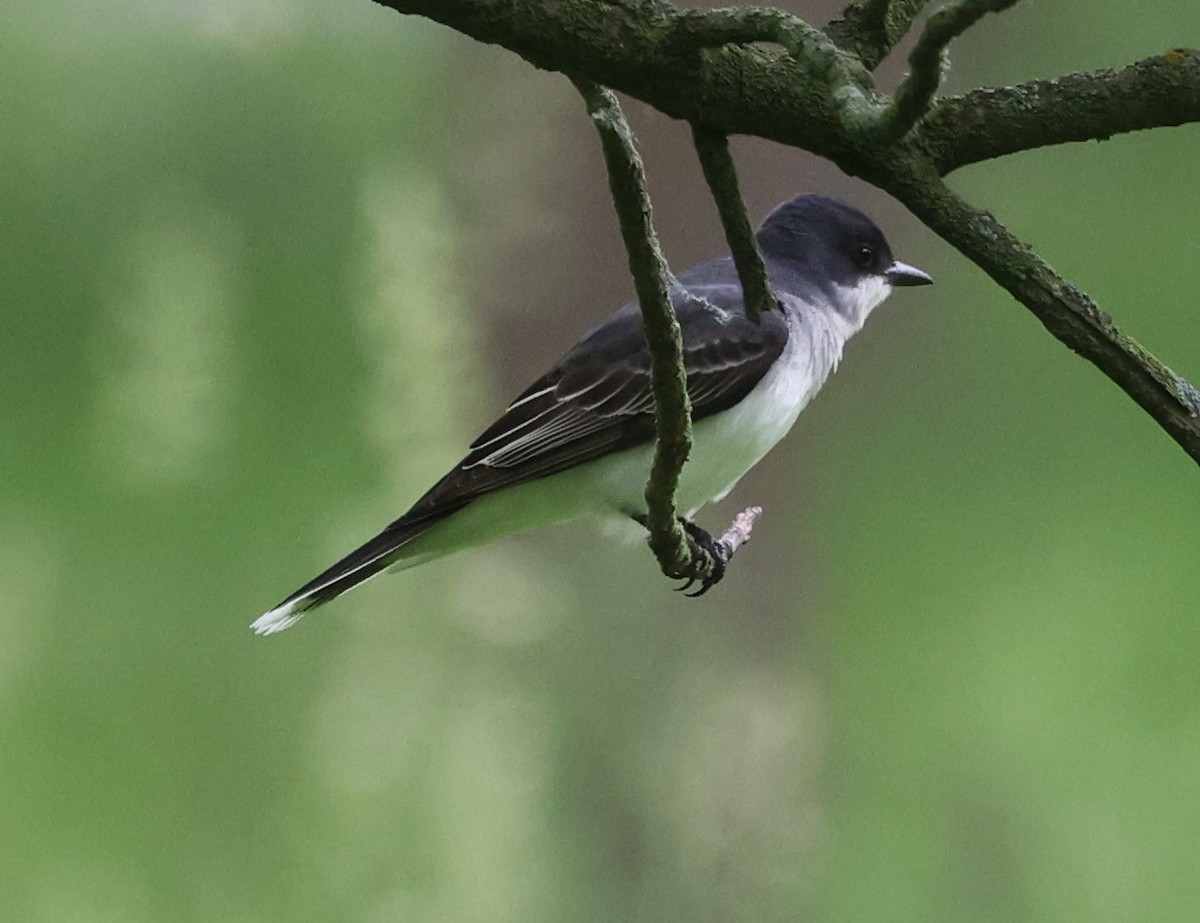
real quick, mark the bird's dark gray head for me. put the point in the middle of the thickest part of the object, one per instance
(837, 248)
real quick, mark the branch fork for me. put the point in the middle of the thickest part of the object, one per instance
(818, 94)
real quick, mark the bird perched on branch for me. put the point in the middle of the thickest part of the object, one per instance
(581, 437)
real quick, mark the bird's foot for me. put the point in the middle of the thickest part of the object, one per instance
(709, 557)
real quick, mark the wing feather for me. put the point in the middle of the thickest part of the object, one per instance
(597, 398)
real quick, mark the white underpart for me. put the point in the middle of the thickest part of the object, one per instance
(725, 447)
(858, 301)
(729, 444)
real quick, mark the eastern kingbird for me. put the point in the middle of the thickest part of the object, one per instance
(581, 437)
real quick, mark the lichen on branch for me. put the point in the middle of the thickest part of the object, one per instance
(1157, 92)
(768, 73)
(927, 65)
(869, 29)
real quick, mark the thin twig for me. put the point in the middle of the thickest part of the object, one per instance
(928, 62)
(1066, 311)
(673, 412)
(739, 530)
(870, 29)
(717, 163)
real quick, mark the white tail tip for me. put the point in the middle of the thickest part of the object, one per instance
(278, 619)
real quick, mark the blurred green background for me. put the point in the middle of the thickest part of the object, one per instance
(265, 268)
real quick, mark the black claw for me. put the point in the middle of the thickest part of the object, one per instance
(709, 557)
(711, 580)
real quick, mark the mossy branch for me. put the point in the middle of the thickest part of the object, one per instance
(1157, 92)
(652, 280)
(673, 410)
(870, 29)
(1068, 313)
(716, 161)
(770, 74)
(697, 29)
(927, 65)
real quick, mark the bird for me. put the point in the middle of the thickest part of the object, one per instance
(581, 437)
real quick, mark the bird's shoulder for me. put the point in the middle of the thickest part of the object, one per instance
(613, 358)
(709, 306)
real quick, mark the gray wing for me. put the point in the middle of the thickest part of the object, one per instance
(597, 398)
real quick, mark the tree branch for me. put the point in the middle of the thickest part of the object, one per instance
(717, 163)
(676, 554)
(1068, 313)
(673, 410)
(739, 531)
(796, 94)
(870, 29)
(1156, 92)
(697, 29)
(928, 62)
(814, 95)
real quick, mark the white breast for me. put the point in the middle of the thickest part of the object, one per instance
(729, 444)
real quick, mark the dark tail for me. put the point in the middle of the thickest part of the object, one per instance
(357, 567)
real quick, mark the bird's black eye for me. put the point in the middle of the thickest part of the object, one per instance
(863, 256)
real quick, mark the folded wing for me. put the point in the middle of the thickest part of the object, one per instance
(597, 398)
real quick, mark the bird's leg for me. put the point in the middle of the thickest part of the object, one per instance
(709, 557)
